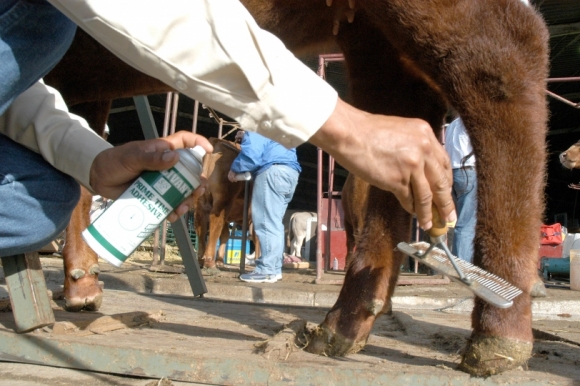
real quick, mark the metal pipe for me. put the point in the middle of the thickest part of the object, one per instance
(244, 228)
(568, 79)
(155, 260)
(327, 254)
(174, 113)
(159, 245)
(319, 258)
(195, 114)
(564, 100)
(167, 115)
(323, 263)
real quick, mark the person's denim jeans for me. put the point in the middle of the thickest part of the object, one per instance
(36, 200)
(273, 190)
(465, 197)
(34, 36)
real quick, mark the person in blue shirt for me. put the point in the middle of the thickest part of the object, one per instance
(275, 172)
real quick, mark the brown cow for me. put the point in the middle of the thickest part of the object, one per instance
(489, 60)
(221, 204)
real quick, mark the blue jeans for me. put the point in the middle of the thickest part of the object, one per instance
(273, 190)
(36, 200)
(465, 197)
(34, 36)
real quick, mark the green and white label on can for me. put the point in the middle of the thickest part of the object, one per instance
(122, 227)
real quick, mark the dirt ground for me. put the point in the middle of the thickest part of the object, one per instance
(220, 340)
(223, 341)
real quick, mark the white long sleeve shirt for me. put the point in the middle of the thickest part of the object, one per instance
(458, 144)
(210, 50)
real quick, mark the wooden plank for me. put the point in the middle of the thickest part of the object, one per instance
(30, 302)
(52, 247)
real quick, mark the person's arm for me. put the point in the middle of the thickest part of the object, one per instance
(214, 52)
(39, 119)
(400, 155)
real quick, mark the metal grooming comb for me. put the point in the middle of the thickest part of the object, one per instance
(489, 287)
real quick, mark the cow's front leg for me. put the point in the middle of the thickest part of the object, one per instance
(224, 237)
(369, 283)
(216, 225)
(81, 267)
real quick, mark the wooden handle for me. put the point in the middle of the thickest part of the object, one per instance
(439, 225)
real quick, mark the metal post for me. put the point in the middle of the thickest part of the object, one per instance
(195, 115)
(244, 227)
(188, 255)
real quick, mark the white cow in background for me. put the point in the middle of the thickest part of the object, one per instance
(297, 231)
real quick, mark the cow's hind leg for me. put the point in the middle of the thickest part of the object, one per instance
(81, 266)
(216, 225)
(370, 280)
(496, 81)
(348, 196)
(380, 83)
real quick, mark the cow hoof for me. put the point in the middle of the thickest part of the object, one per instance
(84, 294)
(488, 355)
(322, 341)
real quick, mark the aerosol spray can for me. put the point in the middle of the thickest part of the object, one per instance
(121, 228)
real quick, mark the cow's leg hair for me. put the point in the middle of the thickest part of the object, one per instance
(381, 84)
(496, 82)
(216, 224)
(81, 268)
(349, 224)
(201, 221)
(296, 245)
(224, 236)
(81, 265)
(369, 283)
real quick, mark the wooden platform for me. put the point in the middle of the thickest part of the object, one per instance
(214, 342)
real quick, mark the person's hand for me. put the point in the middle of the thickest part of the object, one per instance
(400, 155)
(232, 176)
(114, 169)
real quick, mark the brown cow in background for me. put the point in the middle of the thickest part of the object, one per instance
(221, 204)
(414, 58)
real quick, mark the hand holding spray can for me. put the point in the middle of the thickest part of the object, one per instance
(122, 227)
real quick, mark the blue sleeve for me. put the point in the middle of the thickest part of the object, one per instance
(250, 157)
